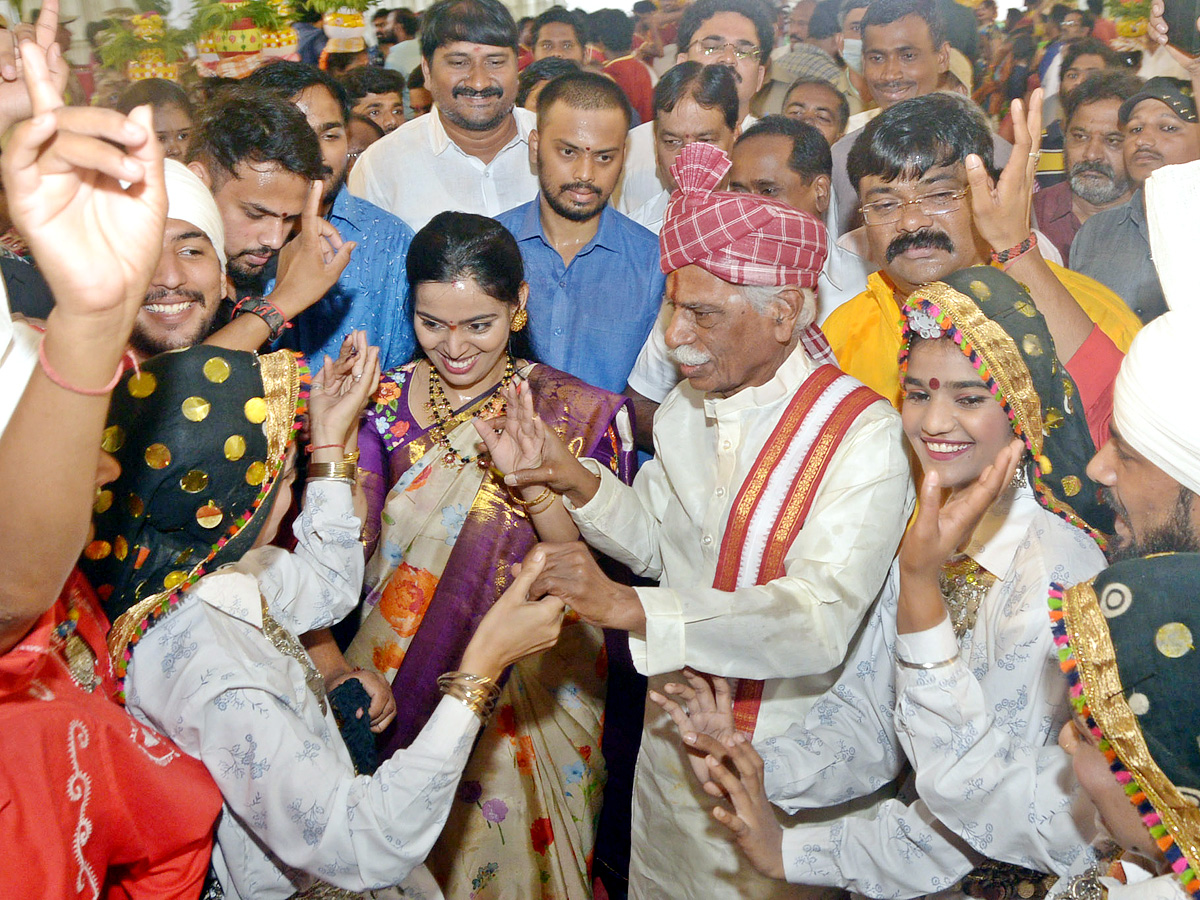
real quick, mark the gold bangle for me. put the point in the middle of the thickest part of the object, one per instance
(351, 457)
(537, 512)
(341, 470)
(535, 501)
(477, 693)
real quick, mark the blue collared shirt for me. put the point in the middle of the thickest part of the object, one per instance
(590, 318)
(372, 292)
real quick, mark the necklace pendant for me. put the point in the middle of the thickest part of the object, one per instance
(81, 662)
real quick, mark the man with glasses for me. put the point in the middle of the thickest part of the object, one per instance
(738, 34)
(905, 55)
(929, 219)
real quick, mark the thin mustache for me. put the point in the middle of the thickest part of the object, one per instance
(471, 92)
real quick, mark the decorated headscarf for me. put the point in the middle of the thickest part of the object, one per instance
(201, 435)
(740, 238)
(994, 321)
(1126, 643)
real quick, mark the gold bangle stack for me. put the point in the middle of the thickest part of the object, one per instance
(475, 692)
(546, 495)
(346, 470)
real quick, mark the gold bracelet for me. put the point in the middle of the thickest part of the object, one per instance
(535, 501)
(536, 512)
(477, 693)
(345, 471)
(351, 457)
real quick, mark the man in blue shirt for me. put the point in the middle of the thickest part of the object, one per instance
(372, 292)
(595, 284)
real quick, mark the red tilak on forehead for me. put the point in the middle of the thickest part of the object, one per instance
(934, 383)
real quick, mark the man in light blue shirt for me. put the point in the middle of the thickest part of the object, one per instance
(595, 283)
(372, 292)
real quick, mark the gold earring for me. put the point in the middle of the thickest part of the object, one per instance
(519, 320)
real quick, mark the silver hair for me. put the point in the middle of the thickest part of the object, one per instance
(762, 299)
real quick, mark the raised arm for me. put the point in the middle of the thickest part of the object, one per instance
(97, 244)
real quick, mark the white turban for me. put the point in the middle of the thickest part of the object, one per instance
(190, 201)
(1152, 406)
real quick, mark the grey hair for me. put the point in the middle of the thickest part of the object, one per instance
(763, 297)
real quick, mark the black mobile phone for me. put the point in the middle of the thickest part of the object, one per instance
(1180, 16)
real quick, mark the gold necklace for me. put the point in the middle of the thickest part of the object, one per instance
(439, 407)
(964, 584)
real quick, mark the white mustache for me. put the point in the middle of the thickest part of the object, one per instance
(687, 355)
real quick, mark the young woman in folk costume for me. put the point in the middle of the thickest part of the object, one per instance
(443, 534)
(981, 381)
(205, 615)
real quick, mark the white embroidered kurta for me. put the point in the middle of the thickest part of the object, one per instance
(793, 632)
(208, 677)
(985, 757)
(848, 745)
(417, 172)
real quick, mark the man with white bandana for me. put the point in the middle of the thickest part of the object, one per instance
(772, 597)
(189, 281)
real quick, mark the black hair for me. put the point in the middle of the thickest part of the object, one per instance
(843, 105)
(542, 70)
(712, 87)
(381, 13)
(1011, 18)
(337, 64)
(914, 136)
(1095, 7)
(252, 125)
(885, 12)
(1089, 46)
(613, 29)
(1116, 85)
(584, 90)
(826, 20)
(290, 79)
(157, 92)
(644, 8)
(458, 245)
(1023, 45)
(1086, 19)
(364, 80)
(810, 154)
(406, 19)
(416, 78)
(485, 22)
(696, 14)
(991, 4)
(848, 6)
(561, 16)
(305, 13)
(1058, 12)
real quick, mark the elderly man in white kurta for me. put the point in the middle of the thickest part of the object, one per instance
(769, 515)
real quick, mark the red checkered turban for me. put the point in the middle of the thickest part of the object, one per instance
(740, 238)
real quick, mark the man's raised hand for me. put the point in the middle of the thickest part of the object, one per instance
(96, 241)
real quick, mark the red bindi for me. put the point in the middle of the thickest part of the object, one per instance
(934, 383)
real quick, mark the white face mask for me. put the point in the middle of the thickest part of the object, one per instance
(852, 53)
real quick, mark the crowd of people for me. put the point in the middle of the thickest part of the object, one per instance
(707, 451)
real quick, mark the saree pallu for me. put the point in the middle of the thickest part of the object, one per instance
(446, 540)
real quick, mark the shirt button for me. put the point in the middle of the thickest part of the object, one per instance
(720, 492)
(726, 445)
(562, 284)
(706, 540)
(558, 331)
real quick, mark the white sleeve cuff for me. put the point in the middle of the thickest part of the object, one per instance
(933, 645)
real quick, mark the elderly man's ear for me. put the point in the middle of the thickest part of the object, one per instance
(794, 309)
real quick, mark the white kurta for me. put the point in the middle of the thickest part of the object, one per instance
(417, 172)
(848, 745)
(793, 632)
(209, 679)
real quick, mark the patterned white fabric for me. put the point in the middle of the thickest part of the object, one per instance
(208, 678)
(850, 744)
